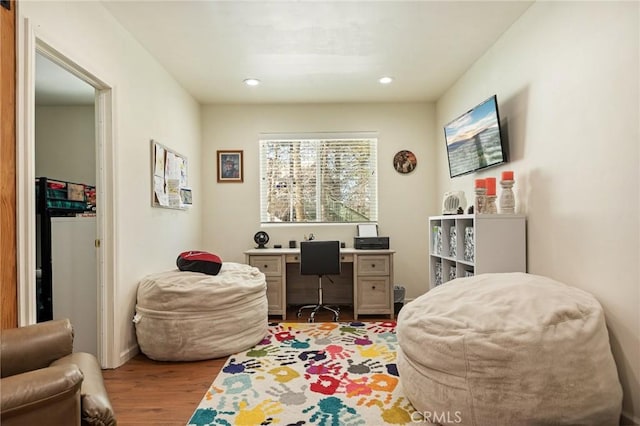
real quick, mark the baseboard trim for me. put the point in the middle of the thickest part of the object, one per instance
(629, 420)
(128, 353)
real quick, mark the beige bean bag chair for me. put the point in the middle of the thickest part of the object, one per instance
(508, 349)
(188, 316)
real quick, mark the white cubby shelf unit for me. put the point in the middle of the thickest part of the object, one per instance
(470, 244)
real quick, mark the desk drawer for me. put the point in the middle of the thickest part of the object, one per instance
(274, 296)
(269, 265)
(374, 295)
(346, 258)
(373, 265)
(292, 258)
(295, 258)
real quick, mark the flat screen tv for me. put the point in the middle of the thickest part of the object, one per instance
(474, 141)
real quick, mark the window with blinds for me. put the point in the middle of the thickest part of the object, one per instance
(318, 180)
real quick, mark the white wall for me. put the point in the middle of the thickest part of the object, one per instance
(232, 210)
(66, 143)
(566, 76)
(148, 104)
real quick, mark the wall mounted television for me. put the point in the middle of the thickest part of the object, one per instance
(474, 139)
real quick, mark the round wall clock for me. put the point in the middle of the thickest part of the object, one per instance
(261, 238)
(404, 161)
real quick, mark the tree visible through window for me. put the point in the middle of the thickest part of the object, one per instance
(317, 180)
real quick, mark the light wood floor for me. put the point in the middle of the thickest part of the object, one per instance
(147, 392)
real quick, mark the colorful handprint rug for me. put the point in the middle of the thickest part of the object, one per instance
(325, 374)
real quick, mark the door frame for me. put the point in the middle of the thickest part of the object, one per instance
(8, 236)
(30, 40)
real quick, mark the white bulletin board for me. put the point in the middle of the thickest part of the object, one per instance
(169, 178)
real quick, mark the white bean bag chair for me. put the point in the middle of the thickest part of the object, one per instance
(508, 349)
(188, 316)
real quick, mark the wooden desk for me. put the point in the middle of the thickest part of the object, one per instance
(372, 278)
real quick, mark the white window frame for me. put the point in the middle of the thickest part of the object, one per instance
(372, 137)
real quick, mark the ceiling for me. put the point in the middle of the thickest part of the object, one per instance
(316, 51)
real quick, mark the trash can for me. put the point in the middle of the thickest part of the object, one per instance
(398, 298)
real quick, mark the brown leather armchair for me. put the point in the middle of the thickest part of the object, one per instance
(43, 382)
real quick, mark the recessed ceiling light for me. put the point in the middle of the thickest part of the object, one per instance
(251, 81)
(385, 80)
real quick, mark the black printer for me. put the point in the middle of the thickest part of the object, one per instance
(371, 243)
(368, 238)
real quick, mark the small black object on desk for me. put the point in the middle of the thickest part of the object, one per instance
(261, 238)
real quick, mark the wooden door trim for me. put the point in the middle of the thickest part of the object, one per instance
(8, 249)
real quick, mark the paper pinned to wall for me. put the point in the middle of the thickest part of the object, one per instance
(158, 189)
(182, 171)
(173, 192)
(185, 195)
(158, 169)
(171, 168)
(169, 176)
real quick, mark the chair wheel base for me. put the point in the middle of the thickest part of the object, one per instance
(335, 310)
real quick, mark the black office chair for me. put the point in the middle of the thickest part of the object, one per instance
(320, 258)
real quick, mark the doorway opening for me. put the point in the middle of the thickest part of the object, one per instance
(65, 167)
(97, 173)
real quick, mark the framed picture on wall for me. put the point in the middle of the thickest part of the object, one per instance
(230, 166)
